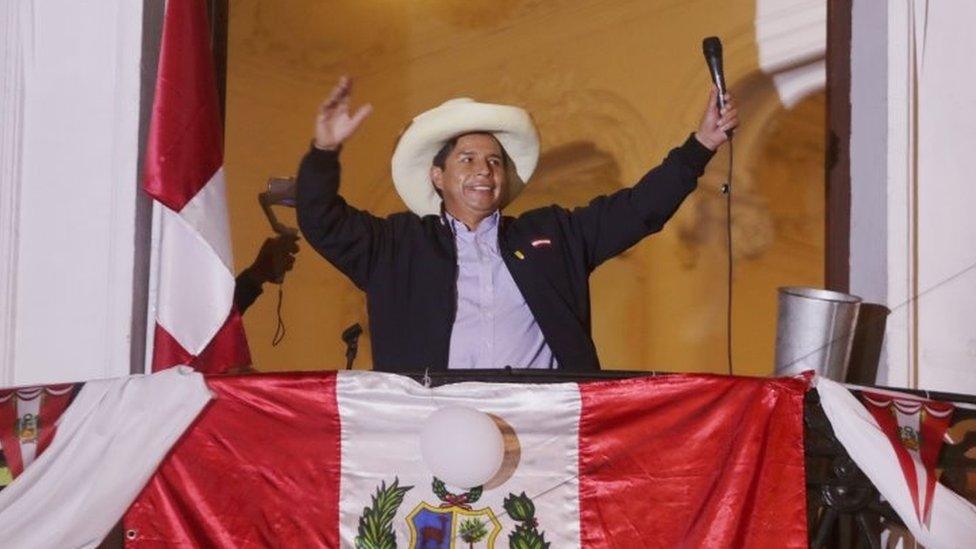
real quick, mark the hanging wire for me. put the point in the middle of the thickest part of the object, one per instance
(727, 191)
(280, 326)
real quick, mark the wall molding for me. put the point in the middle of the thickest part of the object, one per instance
(792, 43)
(901, 333)
(15, 38)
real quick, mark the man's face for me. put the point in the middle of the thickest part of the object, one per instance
(473, 182)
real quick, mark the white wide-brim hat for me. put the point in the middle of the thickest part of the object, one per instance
(429, 131)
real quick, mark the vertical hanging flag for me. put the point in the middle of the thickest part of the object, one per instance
(915, 429)
(196, 322)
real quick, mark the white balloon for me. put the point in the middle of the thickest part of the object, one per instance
(461, 446)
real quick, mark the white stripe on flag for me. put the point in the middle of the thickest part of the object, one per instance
(207, 213)
(196, 290)
(28, 450)
(383, 414)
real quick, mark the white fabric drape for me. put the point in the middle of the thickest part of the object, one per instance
(108, 444)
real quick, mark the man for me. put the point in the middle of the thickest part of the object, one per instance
(455, 284)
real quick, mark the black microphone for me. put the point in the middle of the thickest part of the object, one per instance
(350, 336)
(712, 48)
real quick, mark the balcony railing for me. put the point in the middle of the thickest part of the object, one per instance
(843, 508)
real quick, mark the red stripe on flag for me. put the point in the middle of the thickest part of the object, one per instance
(259, 468)
(8, 436)
(888, 422)
(933, 429)
(167, 352)
(227, 351)
(692, 461)
(52, 406)
(185, 145)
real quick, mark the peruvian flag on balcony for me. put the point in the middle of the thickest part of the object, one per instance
(196, 322)
(340, 460)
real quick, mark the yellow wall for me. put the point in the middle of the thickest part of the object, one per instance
(612, 86)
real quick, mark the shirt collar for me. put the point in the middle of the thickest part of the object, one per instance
(487, 225)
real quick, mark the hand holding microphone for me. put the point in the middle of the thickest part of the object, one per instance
(721, 115)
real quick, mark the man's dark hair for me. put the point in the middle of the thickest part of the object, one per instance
(441, 157)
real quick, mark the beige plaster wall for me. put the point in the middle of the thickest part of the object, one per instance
(612, 86)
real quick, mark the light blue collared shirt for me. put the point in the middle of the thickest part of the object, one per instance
(494, 327)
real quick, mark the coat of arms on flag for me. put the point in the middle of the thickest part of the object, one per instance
(915, 429)
(27, 421)
(455, 522)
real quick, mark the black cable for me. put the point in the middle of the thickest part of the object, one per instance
(727, 191)
(280, 328)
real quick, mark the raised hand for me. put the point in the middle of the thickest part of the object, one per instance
(334, 124)
(711, 130)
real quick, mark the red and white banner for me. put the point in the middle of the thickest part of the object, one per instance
(108, 443)
(196, 323)
(870, 434)
(326, 460)
(28, 419)
(915, 429)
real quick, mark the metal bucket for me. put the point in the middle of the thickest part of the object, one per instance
(814, 331)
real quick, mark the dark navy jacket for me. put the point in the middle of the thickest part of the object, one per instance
(407, 264)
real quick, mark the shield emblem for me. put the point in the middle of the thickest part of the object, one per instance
(452, 527)
(27, 429)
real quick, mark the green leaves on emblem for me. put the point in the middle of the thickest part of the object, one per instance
(463, 501)
(526, 535)
(472, 530)
(376, 522)
(520, 508)
(523, 539)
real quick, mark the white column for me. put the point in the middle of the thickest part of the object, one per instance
(869, 138)
(73, 163)
(15, 39)
(900, 334)
(946, 197)
(931, 192)
(868, 153)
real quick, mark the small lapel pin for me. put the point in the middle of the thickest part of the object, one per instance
(519, 254)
